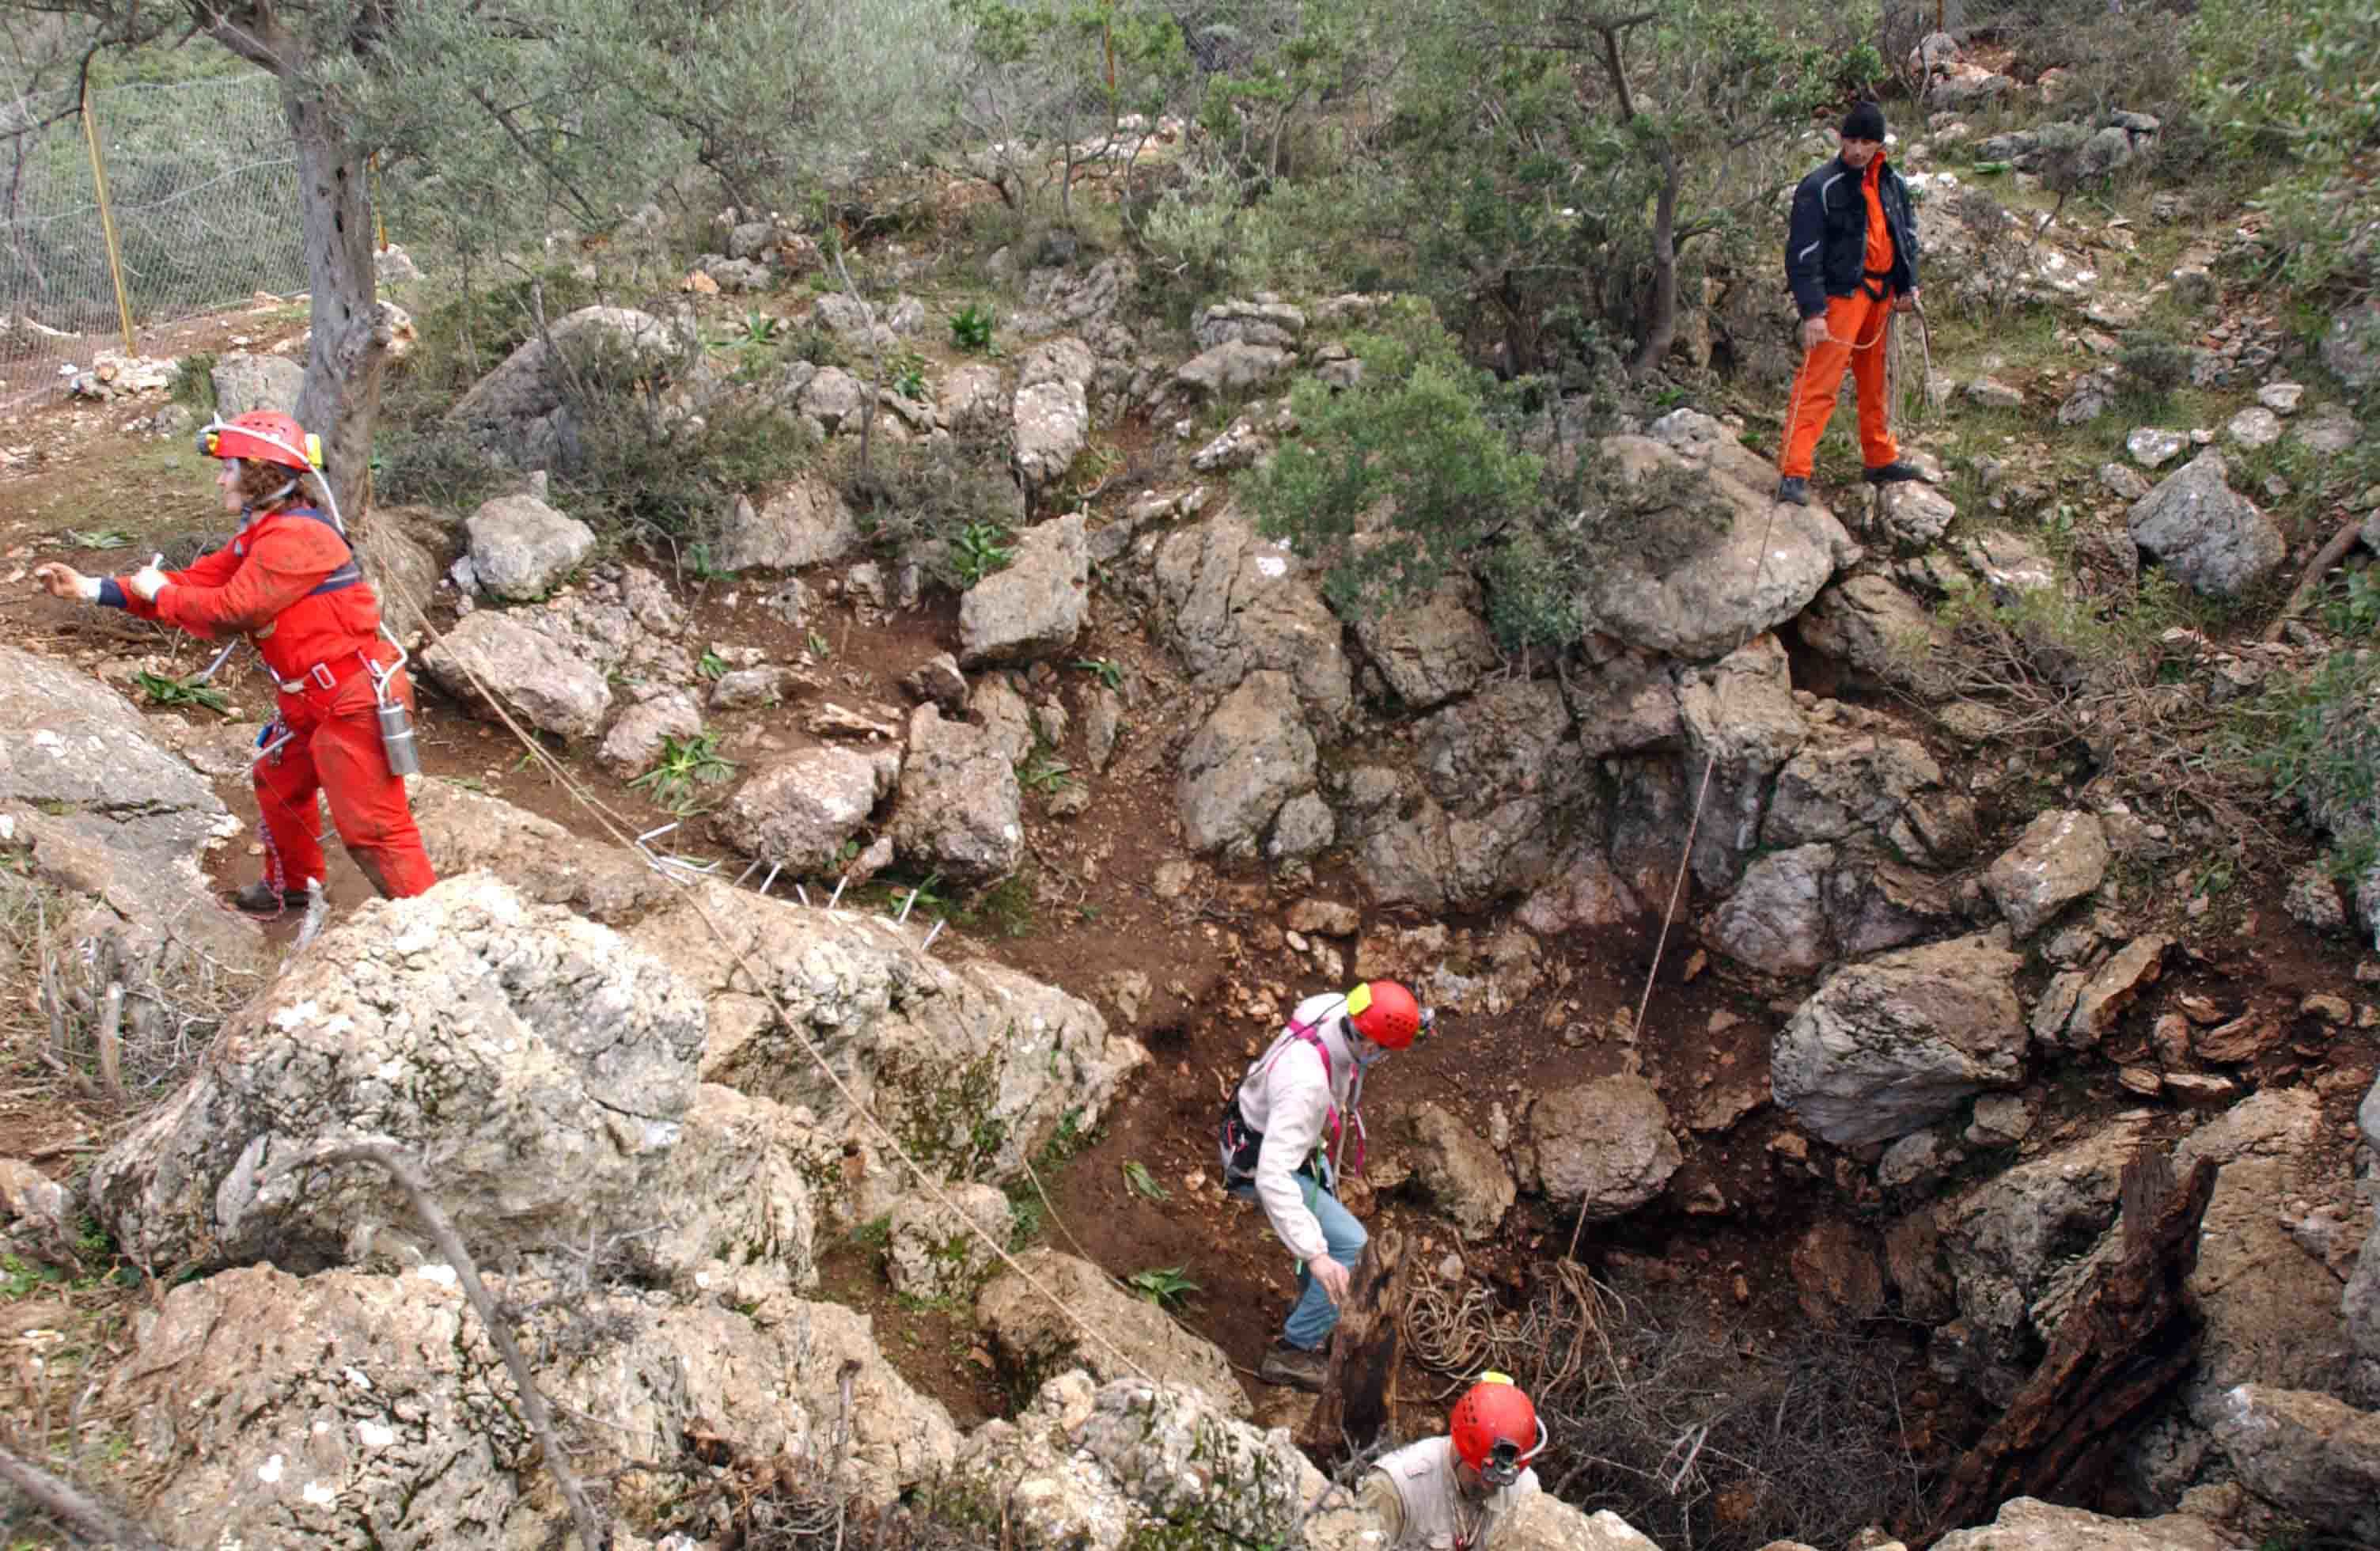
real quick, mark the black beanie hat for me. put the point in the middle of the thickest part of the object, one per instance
(1864, 122)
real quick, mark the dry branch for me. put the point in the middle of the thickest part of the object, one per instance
(70, 1504)
(2328, 556)
(1365, 1350)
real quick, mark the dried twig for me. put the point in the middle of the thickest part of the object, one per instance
(2328, 556)
(405, 1170)
(64, 1500)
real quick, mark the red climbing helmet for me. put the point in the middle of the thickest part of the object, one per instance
(1385, 1014)
(265, 435)
(1495, 1430)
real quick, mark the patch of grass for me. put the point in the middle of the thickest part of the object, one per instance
(686, 766)
(97, 538)
(1004, 910)
(193, 382)
(1107, 670)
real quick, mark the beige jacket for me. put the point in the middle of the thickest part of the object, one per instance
(1414, 1494)
(1288, 1096)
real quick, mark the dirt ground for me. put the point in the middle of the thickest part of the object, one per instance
(1723, 1231)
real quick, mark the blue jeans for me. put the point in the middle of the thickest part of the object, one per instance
(1311, 1319)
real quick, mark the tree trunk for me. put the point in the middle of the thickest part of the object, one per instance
(1661, 313)
(354, 332)
(1365, 1345)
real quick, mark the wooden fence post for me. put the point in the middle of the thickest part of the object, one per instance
(108, 222)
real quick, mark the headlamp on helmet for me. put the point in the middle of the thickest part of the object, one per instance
(1495, 1430)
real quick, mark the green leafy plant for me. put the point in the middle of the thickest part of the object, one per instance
(712, 666)
(1045, 775)
(165, 691)
(2355, 611)
(818, 647)
(971, 328)
(1165, 1286)
(686, 766)
(1141, 1183)
(97, 538)
(978, 550)
(1107, 670)
(906, 369)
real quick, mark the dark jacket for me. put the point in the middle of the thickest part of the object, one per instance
(1825, 254)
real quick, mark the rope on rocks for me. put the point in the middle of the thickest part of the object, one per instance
(616, 828)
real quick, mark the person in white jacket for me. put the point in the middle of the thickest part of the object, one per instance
(1286, 1134)
(1454, 1492)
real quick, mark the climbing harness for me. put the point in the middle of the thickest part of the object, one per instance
(1240, 1142)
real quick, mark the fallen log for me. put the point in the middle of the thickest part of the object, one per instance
(1352, 1411)
(2127, 1336)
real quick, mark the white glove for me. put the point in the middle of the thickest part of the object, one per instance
(149, 581)
(87, 588)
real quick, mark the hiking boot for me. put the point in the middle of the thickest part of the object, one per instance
(1293, 1366)
(1793, 490)
(260, 898)
(1894, 473)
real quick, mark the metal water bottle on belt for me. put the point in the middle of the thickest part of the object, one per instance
(396, 737)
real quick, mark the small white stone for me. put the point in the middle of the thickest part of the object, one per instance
(269, 1473)
(320, 1495)
(373, 1435)
(442, 1275)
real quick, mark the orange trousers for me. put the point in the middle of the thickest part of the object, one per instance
(335, 750)
(1857, 328)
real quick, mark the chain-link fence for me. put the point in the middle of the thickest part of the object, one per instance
(203, 189)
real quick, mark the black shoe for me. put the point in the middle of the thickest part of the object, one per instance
(1894, 473)
(1295, 1366)
(1793, 491)
(260, 898)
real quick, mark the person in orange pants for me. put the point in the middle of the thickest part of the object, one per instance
(288, 581)
(1851, 262)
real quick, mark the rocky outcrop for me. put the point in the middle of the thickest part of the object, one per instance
(2212, 539)
(805, 524)
(1870, 623)
(2026, 1525)
(1740, 719)
(408, 1418)
(1431, 649)
(1458, 1171)
(470, 832)
(1692, 475)
(1034, 607)
(1233, 605)
(2313, 1459)
(1894, 1043)
(520, 547)
(2060, 857)
(519, 412)
(244, 382)
(1250, 755)
(961, 808)
(936, 1251)
(797, 812)
(1605, 1147)
(555, 689)
(640, 734)
(973, 1067)
(1135, 1337)
(1052, 414)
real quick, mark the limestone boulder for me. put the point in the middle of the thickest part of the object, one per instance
(2310, 1457)
(2028, 1525)
(805, 524)
(1604, 1146)
(540, 1068)
(1430, 649)
(519, 413)
(937, 1251)
(1872, 625)
(1740, 716)
(797, 812)
(1252, 755)
(1030, 1335)
(1895, 1042)
(470, 831)
(2212, 539)
(961, 809)
(1775, 920)
(520, 547)
(1229, 603)
(2061, 857)
(243, 381)
(553, 688)
(1232, 367)
(1033, 608)
(1051, 417)
(638, 735)
(1458, 1171)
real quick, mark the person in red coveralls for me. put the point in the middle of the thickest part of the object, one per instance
(289, 582)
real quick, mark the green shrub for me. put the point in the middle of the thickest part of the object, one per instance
(194, 382)
(2152, 365)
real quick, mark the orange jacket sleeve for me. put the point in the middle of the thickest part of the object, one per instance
(226, 593)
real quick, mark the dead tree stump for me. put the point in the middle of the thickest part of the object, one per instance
(1354, 1407)
(2129, 1335)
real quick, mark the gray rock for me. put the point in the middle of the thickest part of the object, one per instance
(1232, 368)
(635, 739)
(1915, 514)
(833, 397)
(1990, 392)
(2330, 431)
(1034, 607)
(995, 706)
(751, 239)
(1895, 1043)
(970, 400)
(797, 812)
(937, 679)
(1102, 724)
(1698, 607)
(1029, 1334)
(2254, 428)
(2314, 899)
(1834, 790)
(1869, 623)
(2153, 448)
(1502, 743)
(2281, 398)
(1052, 416)
(1457, 1171)
(805, 524)
(1251, 755)
(244, 382)
(2124, 484)
(2104, 152)
(1252, 322)
(743, 689)
(553, 688)
(2212, 539)
(960, 808)
(2060, 857)
(2350, 346)
(1231, 603)
(738, 276)
(519, 413)
(934, 1253)
(1776, 919)
(1741, 712)
(520, 547)
(2093, 394)
(864, 324)
(470, 832)
(2309, 1456)
(1625, 704)
(1604, 1145)
(1430, 648)
(539, 1066)
(2026, 1525)
(1303, 827)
